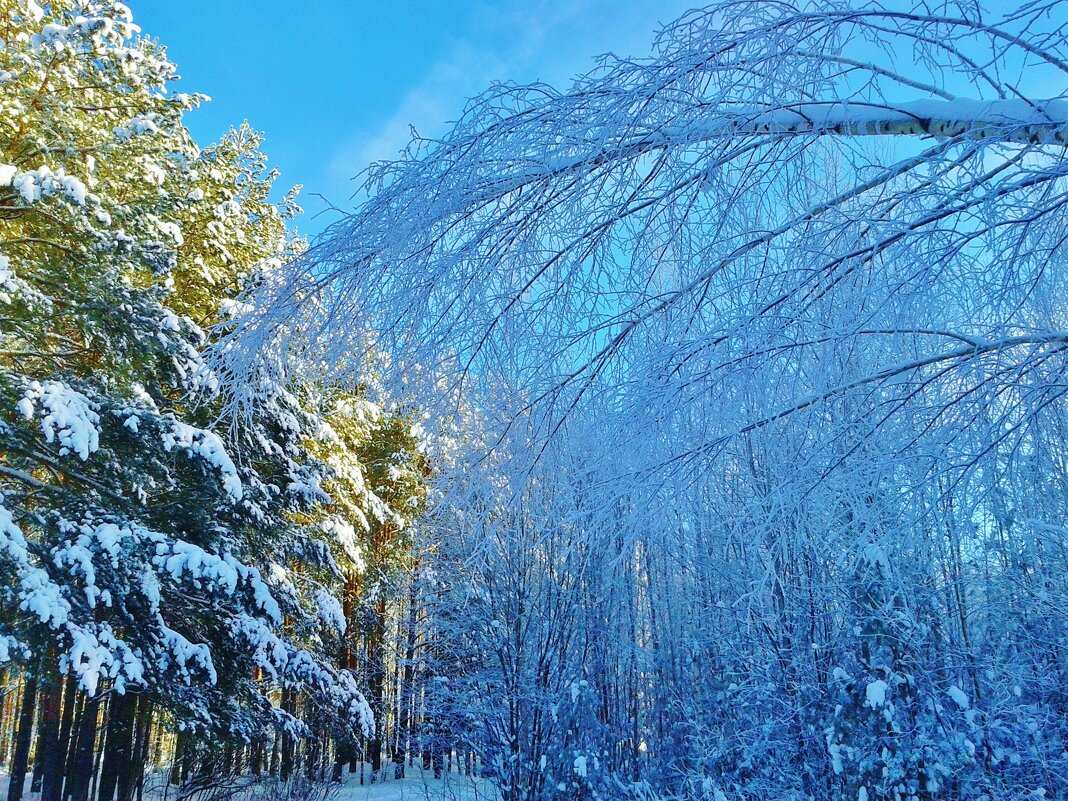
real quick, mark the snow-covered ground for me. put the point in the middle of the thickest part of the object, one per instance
(417, 786)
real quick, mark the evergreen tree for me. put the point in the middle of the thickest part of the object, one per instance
(158, 563)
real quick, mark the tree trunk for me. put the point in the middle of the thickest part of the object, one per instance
(228, 758)
(56, 771)
(81, 768)
(376, 665)
(6, 723)
(311, 758)
(188, 754)
(48, 762)
(437, 751)
(340, 757)
(176, 765)
(289, 704)
(347, 752)
(77, 710)
(20, 760)
(406, 693)
(115, 772)
(209, 764)
(257, 758)
(140, 753)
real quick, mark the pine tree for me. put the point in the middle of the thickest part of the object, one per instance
(154, 558)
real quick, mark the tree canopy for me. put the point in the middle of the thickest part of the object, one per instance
(165, 571)
(672, 227)
(765, 337)
(695, 432)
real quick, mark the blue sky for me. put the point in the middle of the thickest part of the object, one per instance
(335, 84)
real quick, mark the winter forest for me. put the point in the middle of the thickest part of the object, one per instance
(696, 430)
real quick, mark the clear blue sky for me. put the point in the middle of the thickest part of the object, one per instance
(335, 84)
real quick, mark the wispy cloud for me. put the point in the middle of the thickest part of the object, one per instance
(512, 40)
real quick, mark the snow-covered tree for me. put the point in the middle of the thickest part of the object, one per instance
(789, 290)
(165, 570)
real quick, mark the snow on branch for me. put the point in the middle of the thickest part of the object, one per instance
(647, 247)
(1019, 121)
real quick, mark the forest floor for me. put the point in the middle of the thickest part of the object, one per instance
(416, 786)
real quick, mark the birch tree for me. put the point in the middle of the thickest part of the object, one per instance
(791, 292)
(671, 224)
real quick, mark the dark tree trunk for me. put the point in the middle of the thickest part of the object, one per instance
(438, 756)
(311, 758)
(407, 695)
(346, 751)
(80, 770)
(257, 758)
(98, 759)
(176, 766)
(70, 705)
(56, 768)
(345, 754)
(77, 711)
(289, 704)
(228, 759)
(209, 765)
(115, 772)
(132, 778)
(376, 680)
(339, 763)
(109, 776)
(188, 755)
(48, 762)
(20, 761)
